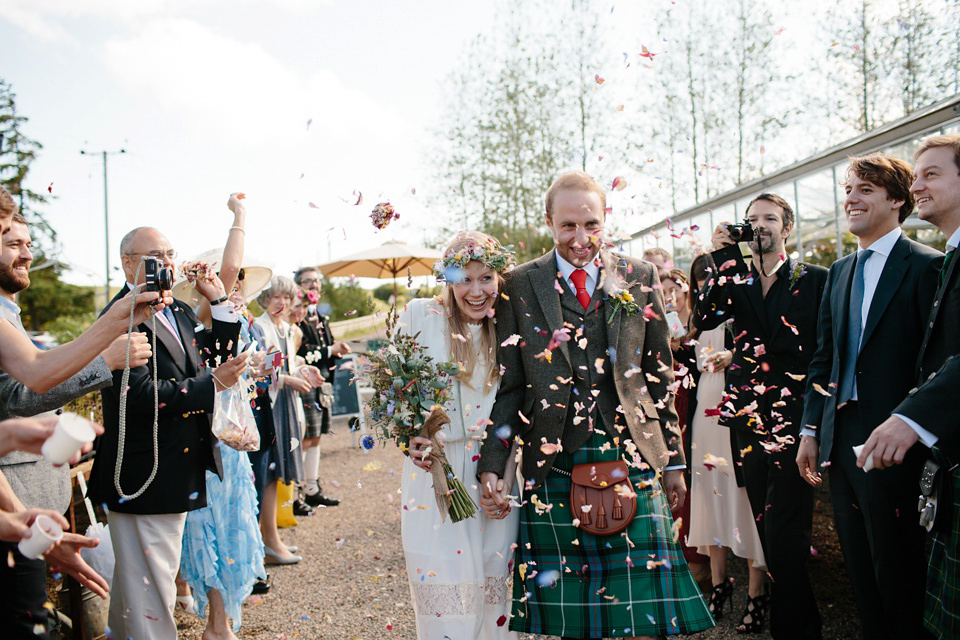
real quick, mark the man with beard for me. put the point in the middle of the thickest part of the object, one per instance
(34, 481)
(322, 351)
(773, 305)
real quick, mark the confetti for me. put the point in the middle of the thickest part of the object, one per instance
(383, 214)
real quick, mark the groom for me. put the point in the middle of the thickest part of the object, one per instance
(586, 376)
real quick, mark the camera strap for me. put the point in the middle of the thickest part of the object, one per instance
(125, 387)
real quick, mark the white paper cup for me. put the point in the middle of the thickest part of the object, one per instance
(44, 533)
(70, 434)
(868, 466)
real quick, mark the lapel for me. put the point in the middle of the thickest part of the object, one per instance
(164, 337)
(894, 269)
(754, 293)
(784, 302)
(938, 304)
(611, 283)
(188, 334)
(543, 279)
(840, 302)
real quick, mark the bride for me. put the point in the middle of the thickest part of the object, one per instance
(459, 571)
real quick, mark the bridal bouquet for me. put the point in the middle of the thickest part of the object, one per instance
(409, 391)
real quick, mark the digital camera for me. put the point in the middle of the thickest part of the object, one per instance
(158, 277)
(742, 232)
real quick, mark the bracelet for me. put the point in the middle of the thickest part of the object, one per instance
(240, 229)
(214, 303)
(218, 380)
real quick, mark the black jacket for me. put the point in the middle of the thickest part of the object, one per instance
(774, 340)
(185, 392)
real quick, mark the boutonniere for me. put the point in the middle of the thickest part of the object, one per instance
(623, 299)
(799, 270)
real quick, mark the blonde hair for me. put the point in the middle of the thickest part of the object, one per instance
(464, 351)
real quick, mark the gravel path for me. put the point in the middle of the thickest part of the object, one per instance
(352, 584)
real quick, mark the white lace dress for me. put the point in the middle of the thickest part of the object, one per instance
(459, 572)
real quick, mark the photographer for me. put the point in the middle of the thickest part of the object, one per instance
(164, 462)
(34, 482)
(321, 350)
(773, 305)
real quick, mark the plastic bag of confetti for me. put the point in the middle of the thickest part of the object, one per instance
(233, 421)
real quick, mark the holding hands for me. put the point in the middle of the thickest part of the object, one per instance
(494, 499)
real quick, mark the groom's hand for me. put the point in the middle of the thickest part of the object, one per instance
(675, 488)
(492, 487)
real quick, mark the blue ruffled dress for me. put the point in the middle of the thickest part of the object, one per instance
(222, 545)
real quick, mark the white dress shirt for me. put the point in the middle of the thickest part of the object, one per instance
(567, 269)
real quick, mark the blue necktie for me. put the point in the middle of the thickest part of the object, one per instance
(172, 326)
(854, 331)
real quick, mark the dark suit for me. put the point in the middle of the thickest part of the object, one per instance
(774, 340)
(875, 512)
(933, 406)
(185, 394)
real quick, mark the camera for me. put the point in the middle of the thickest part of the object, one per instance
(158, 277)
(742, 232)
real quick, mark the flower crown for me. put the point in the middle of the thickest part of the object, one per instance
(489, 252)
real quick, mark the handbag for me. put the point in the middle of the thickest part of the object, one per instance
(936, 497)
(326, 395)
(602, 497)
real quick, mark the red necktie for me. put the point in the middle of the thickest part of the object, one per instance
(579, 279)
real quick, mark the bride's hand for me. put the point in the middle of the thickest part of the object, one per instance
(419, 451)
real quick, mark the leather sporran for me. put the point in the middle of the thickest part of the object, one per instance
(602, 497)
(936, 497)
(326, 395)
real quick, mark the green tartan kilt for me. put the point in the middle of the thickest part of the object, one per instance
(571, 583)
(941, 614)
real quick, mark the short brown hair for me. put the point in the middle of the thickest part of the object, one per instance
(578, 181)
(893, 174)
(7, 205)
(787, 218)
(657, 251)
(951, 141)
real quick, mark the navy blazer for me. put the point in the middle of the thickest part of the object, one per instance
(186, 445)
(890, 342)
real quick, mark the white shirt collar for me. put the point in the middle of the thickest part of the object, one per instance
(10, 306)
(954, 240)
(566, 269)
(884, 245)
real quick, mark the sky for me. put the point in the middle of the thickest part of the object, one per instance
(297, 103)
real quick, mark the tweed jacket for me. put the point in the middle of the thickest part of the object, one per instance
(36, 482)
(536, 393)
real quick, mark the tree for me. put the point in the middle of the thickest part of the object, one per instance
(347, 300)
(48, 298)
(17, 152)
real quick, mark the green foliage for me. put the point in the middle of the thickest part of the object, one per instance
(347, 298)
(67, 328)
(17, 152)
(48, 298)
(385, 292)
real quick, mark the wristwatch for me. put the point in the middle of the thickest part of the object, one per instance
(214, 303)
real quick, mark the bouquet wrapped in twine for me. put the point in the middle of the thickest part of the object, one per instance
(410, 390)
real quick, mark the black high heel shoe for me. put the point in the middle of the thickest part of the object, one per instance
(756, 611)
(721, 594)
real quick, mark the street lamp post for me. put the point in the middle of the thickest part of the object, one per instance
(106, 220)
